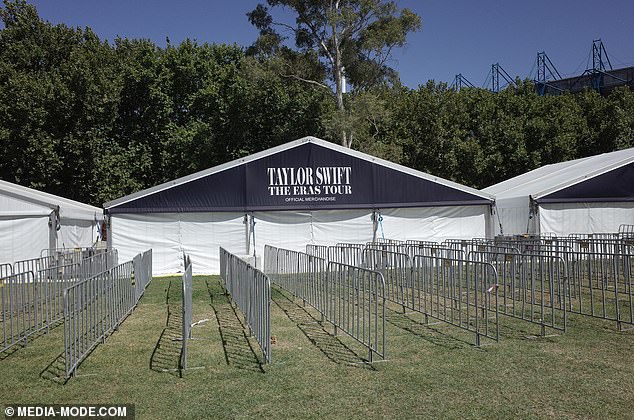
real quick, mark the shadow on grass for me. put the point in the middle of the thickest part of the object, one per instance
(520, 329)
(34, 336)
(425, 331)
(237, 347)
(56, 370)
(329, 344)
(9, 352)
(167, 351)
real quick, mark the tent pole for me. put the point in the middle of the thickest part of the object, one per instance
(108, 226)
(247, 233)
(53, 223)
(374, 225)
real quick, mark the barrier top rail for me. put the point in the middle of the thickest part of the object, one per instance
(626, 231)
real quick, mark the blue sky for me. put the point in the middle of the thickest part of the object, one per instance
(458, 36)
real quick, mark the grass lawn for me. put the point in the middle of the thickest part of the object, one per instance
(433, 370)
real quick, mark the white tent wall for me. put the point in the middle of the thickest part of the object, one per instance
(23, 238)
(349, 226)
(76, 233)
(201, 234)
(29, 220)
(171, 234)
(134, 233)
(513, 215)
(293, 230)
(435, 223)
(24, 229)
(563, 219)
(284, 229)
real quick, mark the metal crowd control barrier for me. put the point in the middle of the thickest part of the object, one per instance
(50, 284)
(350, 244)
(465, 247)
(355, 303)
(531, 287)
(32, 302)
(388, 241)
(396, 269)
(142, 272)
(601, 286)
(36, 303)
(434, 250)
(350, 298)
(33, 264)
(76, 253)
(626, 231)
(21, 313)
(6, 270)
(301, 274)
(320, 251)
(386, 246)
(250, 289)
(187, 310)
(350, 254)
(584, 244)
(98, 263)
(417, 242)
(460, 292)
(93, 308)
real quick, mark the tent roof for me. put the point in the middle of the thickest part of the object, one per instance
(604, 177)
(295, 153)
(68, 209)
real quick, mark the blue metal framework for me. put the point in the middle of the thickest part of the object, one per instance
(460, 82)
(496, 72)
(546, 71)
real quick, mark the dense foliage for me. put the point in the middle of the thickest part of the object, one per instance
(92, 120)
(348, 41)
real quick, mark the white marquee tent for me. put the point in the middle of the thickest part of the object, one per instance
(308, 191)
(31, 221)
(588, 195)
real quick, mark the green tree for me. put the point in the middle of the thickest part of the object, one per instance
(346, 40)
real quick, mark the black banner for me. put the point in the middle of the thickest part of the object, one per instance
(305, 177)
(614, 186)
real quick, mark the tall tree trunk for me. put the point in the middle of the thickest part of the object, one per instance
(339, 79)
